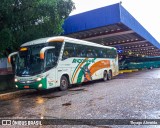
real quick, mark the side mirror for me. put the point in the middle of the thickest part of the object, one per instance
(42, 52)
(10, 55)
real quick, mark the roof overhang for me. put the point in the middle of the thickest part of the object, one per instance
(112, 26)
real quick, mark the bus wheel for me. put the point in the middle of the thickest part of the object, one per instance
(64, 83)
(105, 76)
(109, 76)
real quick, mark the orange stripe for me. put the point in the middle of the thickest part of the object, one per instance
(99, 65)
(9, 59)
(79, 68)
(56, 40)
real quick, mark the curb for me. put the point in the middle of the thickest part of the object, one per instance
(15, 94)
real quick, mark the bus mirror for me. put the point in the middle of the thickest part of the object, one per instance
(42, 52)
(10, 55)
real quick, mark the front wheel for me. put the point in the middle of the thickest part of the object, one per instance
(109, 76)
(64, 83)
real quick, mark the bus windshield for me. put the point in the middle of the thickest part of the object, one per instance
(28, 61)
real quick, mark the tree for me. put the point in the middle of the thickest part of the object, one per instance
(25, 20)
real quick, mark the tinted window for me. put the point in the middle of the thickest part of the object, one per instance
(69, 51)
(78, 50)
(51, 59)
(57, 46)
(90, 52)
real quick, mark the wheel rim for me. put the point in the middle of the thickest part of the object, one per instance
(105, 76)
(109, 75)
(63, 83)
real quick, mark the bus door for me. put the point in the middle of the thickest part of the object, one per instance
(50, 64)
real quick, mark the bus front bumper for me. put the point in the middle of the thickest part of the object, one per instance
(34, 85)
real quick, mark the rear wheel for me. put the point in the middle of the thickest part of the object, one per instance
(64, 83)
(109, 76)
(105, 76)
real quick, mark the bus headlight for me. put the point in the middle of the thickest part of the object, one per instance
(39, 79)
(16, 86)
(15, 80)
(40, 85)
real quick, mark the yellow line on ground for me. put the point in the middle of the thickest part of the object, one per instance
(120, 72)
(126, 71)
(135, 70)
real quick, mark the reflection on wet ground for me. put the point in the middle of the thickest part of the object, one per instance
(9, 108)
(67, 104)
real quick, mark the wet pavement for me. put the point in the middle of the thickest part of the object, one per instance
(128, 96)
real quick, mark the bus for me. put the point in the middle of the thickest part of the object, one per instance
(140, 63)
(62, 61)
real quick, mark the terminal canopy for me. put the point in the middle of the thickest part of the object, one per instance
(113, 26)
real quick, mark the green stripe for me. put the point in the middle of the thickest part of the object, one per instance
(75, 70)
(81, 74)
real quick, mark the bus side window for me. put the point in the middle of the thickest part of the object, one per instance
(57, 46)
(80, 50)
(90, 52)
(95, 52)
(111, 53)
(100, 54)
(69, 51)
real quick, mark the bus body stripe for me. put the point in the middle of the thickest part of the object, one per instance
(95, 67)
(81, 73)
(74, 72)
(99, 65)
(79, 68)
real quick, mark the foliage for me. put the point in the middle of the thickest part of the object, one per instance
(25, 20)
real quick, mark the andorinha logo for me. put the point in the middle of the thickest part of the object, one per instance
(83, 60)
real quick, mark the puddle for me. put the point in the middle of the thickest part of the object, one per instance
(103, 127)
(40, 100)
(79, 89)
(66, 104)
(7, 115)
(100, 98)
(50, 97)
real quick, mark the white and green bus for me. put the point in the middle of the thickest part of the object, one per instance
(61, 61)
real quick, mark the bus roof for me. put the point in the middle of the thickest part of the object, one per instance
(63, 39)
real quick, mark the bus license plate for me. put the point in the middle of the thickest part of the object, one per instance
(26, 86)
